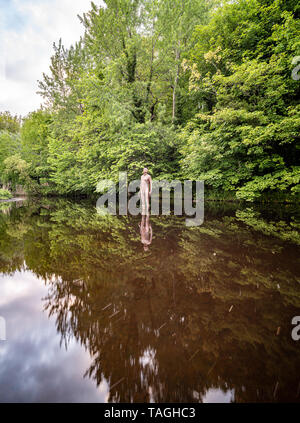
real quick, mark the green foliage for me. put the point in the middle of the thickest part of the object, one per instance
(60, 89)
(16, 172)
(9, 145)
(9, 123)
(34, 141)
(9, 138)
(197, 89)
(5, 194)
(246, 140)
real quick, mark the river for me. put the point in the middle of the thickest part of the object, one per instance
(112, 309)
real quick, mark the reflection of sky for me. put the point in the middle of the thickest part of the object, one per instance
(217, 395)
(33, 366)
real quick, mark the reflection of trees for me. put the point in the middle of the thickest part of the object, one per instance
(198, 311)
(288, 231)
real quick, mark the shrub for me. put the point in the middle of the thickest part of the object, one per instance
(5, 194)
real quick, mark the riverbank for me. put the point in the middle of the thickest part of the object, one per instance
(209, 195)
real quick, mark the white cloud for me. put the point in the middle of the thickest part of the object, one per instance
(30, 28)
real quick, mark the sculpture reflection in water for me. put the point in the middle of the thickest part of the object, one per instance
(146, 232)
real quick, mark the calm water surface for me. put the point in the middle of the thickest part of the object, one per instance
(110, 309)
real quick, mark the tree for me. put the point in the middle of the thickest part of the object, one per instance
(35, 131)
(9, 123)
(9, 138)
(61, 89)
(247, 139)
(16, 171)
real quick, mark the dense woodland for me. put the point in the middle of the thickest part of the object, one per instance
(196, 89)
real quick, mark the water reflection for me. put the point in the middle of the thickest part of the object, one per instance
(146, 231)
(33, 366)
(196, 319)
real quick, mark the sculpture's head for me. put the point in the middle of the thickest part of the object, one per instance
(145, 170)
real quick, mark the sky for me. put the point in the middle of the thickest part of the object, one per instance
(28, 29)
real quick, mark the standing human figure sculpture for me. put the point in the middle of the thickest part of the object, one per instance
(145, 191)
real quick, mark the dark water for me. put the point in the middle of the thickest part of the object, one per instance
(193, 314)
